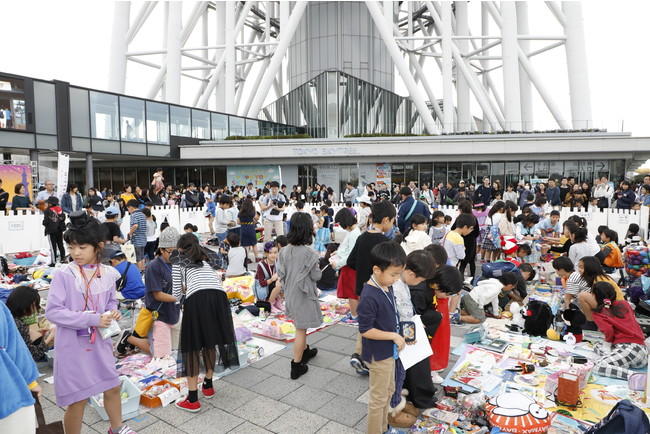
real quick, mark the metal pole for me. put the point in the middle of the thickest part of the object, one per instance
(576, 57)
(173, 61)
(220, 89)
(462, 87)
(276, 60)
(119, 47)
(231, 58)
(485, 64)
(447, 69)
(525, 88)
(90, 179)
(510, 65)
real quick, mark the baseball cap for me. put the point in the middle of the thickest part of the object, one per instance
(168, 238)
(112, 210)
(117, 253)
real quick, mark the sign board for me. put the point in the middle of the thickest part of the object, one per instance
(541, 167)
(571, 166)
(328, 175)
(258, 175)
(556, 167)
(526, 167)
(535, 181)
(383, 173)
(601, 165)
(13, 175)
(62, 174)
(624, 219)
(16, 226)
(587, 166)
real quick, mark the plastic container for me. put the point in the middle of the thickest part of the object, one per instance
(155, 402)
(130, 407)
(50, 358)
(243, 361)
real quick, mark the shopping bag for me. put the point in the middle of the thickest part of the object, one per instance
(43, 428)
(129, 251)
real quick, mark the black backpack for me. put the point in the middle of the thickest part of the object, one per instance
(121, 282)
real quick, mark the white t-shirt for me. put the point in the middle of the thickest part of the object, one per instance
(236, 258)
(269, 199)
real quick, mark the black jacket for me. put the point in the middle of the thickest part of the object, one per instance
(191, 199)
(422, 299)
(53, 220)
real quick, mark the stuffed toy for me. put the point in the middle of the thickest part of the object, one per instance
(574, 319)
(537, 318)
(514, 412)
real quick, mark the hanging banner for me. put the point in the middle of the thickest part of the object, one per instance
(258, 175)
(383, 173)
(62, 174)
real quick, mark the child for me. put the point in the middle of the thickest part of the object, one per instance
(490, 243)
(172, 199)
(550, 226)
(445, 283)
(54, 222)
(157, 181)
(189, 228)
(206, 324)
(526, 274)
(486, 292)
(210, 212)
(267, 286)
(574, 283)
(347, 276)
(281, 241)
(158, 301)
(298, 271)
(624, 345)
(453, 242)
(236, 257)
(634, 236)
(87, 366)
(24, 303)
(365, 204)
(416, 238)
(447, 223)
(322, 236)
(613, 259)
(383, 217)
(328, 280)
(222, 218)
(380, 331)
(224, 248)
(132, 285)
(152, 238)
(437, 230)
(315, 215)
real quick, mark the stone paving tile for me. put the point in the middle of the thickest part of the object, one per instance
(314, 338)
(297, 421)
(231, 397)
(174, 415)
(246, 377)
(344, 411)
(85, 429)
(249, 428)
(308, 398)
(348, 386)
(335, 344)
(266, 361)
(280, 367)
(276, 387)
(343, 331)
(213, 421)
(336, 428)
(317, 377)
(137, 424)
(54, 413)
(325, 358)
(365, 398)
(343, 366)
(160, 427)
(261, 411)
(362, 425)
(286, 352)
(91, 416)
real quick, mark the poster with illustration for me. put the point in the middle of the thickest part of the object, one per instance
(12, 175)
(258, 175)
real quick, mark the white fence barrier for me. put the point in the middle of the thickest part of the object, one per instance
(23, 231)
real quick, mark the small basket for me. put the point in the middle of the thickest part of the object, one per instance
(155, 402)
(130, 408)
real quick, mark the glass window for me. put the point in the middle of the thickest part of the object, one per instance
(207, 175)
(103, 116)
(440, 172)
(237, 126)
(482, 170)
(195, 176)
(79, 112)
(104, 178)
(108, 147)
(200, 124)
(616, 170)
(181, 175)
(12, 99)
(157, 123)
(410, 172)
(180, 121)
(118, 179)
(219, 126)
(454, 173)
(130, 179)
(469, 173)
(44, 108)
(512, 173)
(81, 145)
(158, 151)
(134, 148)
(132, 119)
(252, 127)
(143, 178)
(220, 176)
(426, 174)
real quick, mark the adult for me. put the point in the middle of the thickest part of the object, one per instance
(523, 198)
(415, 192)
(553, 193)
(71, 201)
(273, 206)
(586, 190)
(246, 219)
(204, 194)
(460, 196)
(20, 202)
(250, 191)
(646, 181)
(138, 231)
(483, 193)
(4, 198)
(565, 188)
(191, 198)
(300, 195)
(16, 402)
(127, 194)
(9, 118)
(604, 193)
(322, 195)
(408, 208)
(384, 193)
(43, 195)
(427, 194)
(350, 193)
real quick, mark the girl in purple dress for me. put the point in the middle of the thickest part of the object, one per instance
(82, 300)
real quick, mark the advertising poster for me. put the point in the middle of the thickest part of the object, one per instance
(258, 175)
(383, 173)
(12, 175)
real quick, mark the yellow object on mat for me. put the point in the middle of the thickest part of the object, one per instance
(240, 287)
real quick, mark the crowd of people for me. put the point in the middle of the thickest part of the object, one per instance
(398, 256)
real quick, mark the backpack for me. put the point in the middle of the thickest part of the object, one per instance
(121, 282)
(624, 418)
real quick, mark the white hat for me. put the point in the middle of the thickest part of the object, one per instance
(364, 199)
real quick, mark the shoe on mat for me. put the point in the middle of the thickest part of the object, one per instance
(358, 365)
(455, 319)
(122, 344)
(186, 405)
(436, 378)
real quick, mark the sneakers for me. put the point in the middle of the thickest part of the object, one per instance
(192, 407)
(277, 306)
(455, 319)
(124, 430)
(121, 344)
(308, 354)
(436, 378)
(358, 365)
(351, 320)
(298, 369)
(208, 393)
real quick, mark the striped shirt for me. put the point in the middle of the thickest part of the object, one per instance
(194, 279)
(575, 284)
(139, 237)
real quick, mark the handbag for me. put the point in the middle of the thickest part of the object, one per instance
(43, 428)
(129, 251)
(624, 418)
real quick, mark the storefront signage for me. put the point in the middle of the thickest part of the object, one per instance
(601, 165)
(541, 167)
(383, 173)
(258, 175)
(587, 166)
(324, 151)
(526, 167)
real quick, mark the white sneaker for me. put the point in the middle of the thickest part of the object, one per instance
(436, 378)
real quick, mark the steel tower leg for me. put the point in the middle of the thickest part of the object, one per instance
(525, 88)
(462, 87)
(510, 65)
(576, 57)
(119, 48)
(174, 28)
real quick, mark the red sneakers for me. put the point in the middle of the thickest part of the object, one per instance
(208, 393)
(186, 405)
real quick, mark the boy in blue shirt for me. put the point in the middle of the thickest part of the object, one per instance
(550, 225)
(134, 286)
(379, 329)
